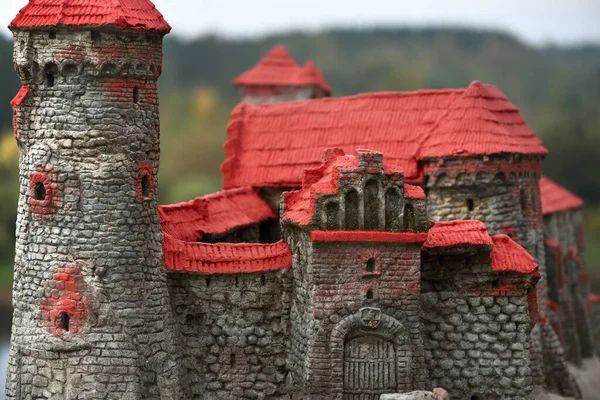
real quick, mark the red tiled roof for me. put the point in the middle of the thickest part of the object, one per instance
(457, 233)
(125, 14)
(556, 198)
(300, 204)
(271, 144)
(508, 256)
(312, 76)
(213, 214)
(368, 236)
(277, 68)
(482, 121)
(21, 95)
(414, 192)
(225, 258)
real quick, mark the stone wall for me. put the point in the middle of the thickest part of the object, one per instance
(235, 329)
(366, 306)
(501, 191)
(568, 283)
(90, 298)
(476, 326)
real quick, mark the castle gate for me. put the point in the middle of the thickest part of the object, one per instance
(369, 367)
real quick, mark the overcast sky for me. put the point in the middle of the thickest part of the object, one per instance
(535, 21)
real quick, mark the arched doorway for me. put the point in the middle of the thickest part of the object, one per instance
(369, 367)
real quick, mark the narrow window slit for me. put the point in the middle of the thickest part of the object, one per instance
(65, 322)
(146, 186)
(136, 95)
(470, 205)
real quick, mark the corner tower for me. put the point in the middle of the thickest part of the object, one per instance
(91, 314)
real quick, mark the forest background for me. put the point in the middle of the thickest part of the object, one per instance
(556, 88)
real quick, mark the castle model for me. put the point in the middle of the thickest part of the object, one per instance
(363, 247)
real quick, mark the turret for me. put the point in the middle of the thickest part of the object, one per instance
(482, 162)
(91, 316)
(278, 78)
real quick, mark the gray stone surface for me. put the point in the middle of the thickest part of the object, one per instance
(91, 310)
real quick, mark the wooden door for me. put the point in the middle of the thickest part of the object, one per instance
(369, 368)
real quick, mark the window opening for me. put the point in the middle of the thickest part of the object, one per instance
(470, 205)
(40, 191)
(371, 265)
(136, 95)
(146, 186)
(50, 71)
(523, 201)
(370, 294)
(65, 322)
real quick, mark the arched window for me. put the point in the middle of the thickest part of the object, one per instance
(50, 71)
(145, 182)
(371, 205)
(351, 201)
(409, 218)
(333, 216)
(523, 202)
(392, 210)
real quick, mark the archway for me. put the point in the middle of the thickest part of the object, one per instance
(365, 347)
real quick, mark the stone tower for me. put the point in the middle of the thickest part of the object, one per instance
(91, 312)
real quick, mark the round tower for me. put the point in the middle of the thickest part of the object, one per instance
(482, 162)
(91, 311)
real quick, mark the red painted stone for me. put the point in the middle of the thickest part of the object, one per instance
(51, 202)
(68, 297)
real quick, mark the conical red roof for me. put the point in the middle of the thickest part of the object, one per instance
(312, 76)
(556, 198)
(124, 14)
(277, 68)
(481, 121)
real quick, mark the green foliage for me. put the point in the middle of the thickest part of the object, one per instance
(6, 277)
(557, 90)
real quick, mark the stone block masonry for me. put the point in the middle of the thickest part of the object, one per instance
(91, 309)
(235, 329)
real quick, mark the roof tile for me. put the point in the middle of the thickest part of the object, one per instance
(214, 214)
(457, 233)
(508, 256)
(225, 258)
(556, 198)
(125, 14)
